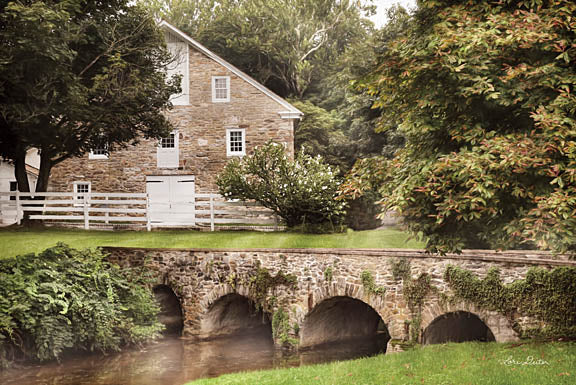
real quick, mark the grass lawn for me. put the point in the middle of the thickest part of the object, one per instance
(21, 241)
(466, 363)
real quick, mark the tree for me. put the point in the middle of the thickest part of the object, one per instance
(77, 75)
(318, 133)
(485, 94)
(301, 191)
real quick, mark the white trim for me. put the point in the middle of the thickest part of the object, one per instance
(229, 66)
(91, 155)
(229, 151)
(80, 198)
(216, 99)
(290, 114)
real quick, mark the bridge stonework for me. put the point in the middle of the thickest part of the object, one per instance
(200, 277)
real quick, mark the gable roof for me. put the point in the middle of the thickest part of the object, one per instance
(291, 112)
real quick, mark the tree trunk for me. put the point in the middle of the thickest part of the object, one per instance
(20, 172)
(46, 165)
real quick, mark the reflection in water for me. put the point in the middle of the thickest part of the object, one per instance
(175, 361)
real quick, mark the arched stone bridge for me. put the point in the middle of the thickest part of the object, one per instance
(316, 296)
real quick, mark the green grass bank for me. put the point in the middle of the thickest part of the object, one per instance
(20, 241)
(465, 363)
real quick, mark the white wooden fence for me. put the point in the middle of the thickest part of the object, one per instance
(128, 209)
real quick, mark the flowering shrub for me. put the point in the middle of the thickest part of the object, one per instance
(300, 191)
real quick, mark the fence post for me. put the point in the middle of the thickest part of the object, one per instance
(211, 212)
(194, 208)
(148, 223)
(276, 221)
(19, 211)
(86, 214)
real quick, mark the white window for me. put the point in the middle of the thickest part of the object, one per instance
(235, 142)
(168, 152)
(80, 191)
(180, 66)
(220, 89)
(168, 142)
(99, 153)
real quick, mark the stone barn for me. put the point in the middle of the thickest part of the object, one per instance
(221, 113)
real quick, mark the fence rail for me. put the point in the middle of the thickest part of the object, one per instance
(97, 209)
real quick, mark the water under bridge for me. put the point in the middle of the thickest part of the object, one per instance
(313, 297)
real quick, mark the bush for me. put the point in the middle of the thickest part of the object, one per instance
(300, 191)
(65, 299)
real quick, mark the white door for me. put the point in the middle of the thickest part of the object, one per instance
(171, 199)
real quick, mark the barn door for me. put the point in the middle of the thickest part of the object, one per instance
(171, 199)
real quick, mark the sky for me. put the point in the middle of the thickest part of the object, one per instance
(380, 18)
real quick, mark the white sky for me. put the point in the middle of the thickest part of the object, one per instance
(380, 18)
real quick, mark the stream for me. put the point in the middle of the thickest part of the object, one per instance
(175, 361)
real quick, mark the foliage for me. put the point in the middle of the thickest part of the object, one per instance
(262, 281)
(414, 293)
(400, 268)
(415, 290)
(547, 295)
(369, 284)
(64, 299)
(281, 328)
(318, 133)
(329, 274)
(77, 75)
(300, 191)
(484, 94)
(479, 363)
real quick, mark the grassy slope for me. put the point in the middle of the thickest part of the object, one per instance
(466, 363)
(14, 242)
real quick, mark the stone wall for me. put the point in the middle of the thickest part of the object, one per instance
(201, 277)
(202, 135)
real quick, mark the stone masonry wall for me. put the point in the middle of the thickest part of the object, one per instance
(200, 277)
(202, 135)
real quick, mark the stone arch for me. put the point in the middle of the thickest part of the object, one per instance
(355, 291)
(221, 290)
(228, 311)
(497, 323)
(345, 319)
(457, 326)
(171, 315)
